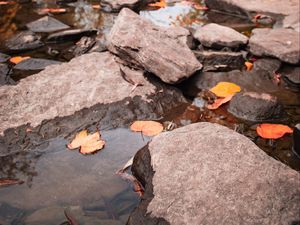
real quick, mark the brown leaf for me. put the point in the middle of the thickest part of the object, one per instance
(220, 101)
(148, 128)
(9, 181)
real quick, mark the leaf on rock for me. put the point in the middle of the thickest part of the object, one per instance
(148, 128)
(220, 101)
(223, 89)
(88, 143)
(249, 65)
(272, 131)
(18, 59)
(160, 4)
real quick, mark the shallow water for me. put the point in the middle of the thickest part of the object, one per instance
(57, 177)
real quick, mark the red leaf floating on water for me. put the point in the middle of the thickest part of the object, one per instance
(272, 131)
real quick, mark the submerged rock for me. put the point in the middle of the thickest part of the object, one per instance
(161, 51)
(23, 41)
(283, 44)
(220, 60)
(70, 35)
(86, 81)
(217, 36)
(256, 107)
(46, 24)
(205, 173)
(35, 64)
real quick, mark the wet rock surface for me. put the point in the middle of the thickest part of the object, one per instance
(117, 5)
(70, 35)
(256, 107)
(25, 40)
(220, 60)
(3, 57)
(217, 36)
(4, 75)
(283, 44)
(152, 48)
(46, 24)
(61, 90)
(227, 164)
(35, 64)
(292, 75)
(250, 8)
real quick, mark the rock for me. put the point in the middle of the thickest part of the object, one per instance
(292, 21)
(220, 60)
(205, 173)
(46, 24)
(250, 8)
(5, 75)
(117, 5)
(88, 80)
(153, 48)
(3, 57)
(216, 36)
(82, 46)
(35, 64)
(256, 107)
(47, 216)
(291, 75)
(70, 35)
(283, 44)
(23, 41)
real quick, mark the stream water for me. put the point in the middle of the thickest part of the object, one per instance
(57, 179)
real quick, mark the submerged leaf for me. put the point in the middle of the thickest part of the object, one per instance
(220, 101)
(223, 89)
(87, 143)
(18, 59)
(148, 128)
(272, 131)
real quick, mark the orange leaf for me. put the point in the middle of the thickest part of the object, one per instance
(148, 128)
(18, 59)
(52, 10)
(160, 4)
(220, 101)
(200, 7)
(249, 66)
(96, 6)
(272, 131)
(7, 3)
(223, 89)
(87, 143)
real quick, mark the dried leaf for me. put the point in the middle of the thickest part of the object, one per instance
(220, 101)
(200, 7)
(9, 181)
(160, 4)
(148, 128)
(95, 6)
(272, 131)
(249, 65)
(52, 10)
(7, 3)
(18, 59)
(223, 89)
(88, 143)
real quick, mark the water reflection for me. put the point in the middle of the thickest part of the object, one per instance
(85, 16)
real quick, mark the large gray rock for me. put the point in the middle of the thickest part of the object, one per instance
(61, 90)
(251, 7)
(292, 21)
(46, 24)
(283, 44)
(117, 5)
(158, 50)
(205, 173)
(217, 36)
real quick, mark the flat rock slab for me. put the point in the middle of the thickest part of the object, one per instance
(46, 24)
(153, 48)
(61, 90)
(248, 7)
(3, 57)
(283, 44)
(35, 64)
(23, 41)
(218, 36)
(205, 173)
